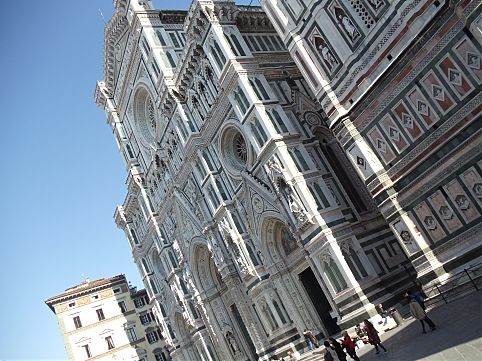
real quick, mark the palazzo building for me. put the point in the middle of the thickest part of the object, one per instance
(289, 170)
(106, 319)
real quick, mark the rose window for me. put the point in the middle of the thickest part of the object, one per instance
(240, 148)
(234, 150)
(145, 115)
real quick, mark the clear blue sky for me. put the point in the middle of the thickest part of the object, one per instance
(61, 174)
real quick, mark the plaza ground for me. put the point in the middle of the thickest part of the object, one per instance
(458, 336)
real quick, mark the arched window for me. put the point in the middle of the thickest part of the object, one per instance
(236, 42)
(300, 160)
(153, 286)
(146, 267)
(220, 53)
(129, 151)
(278, 122)
(261, 89)
(354, 263)
(259, 132)
(319, 196)
(334, 275)
(170, 59)
(279, 312)
(172, 259)
(134, 236)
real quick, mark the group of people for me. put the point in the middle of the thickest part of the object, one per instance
(338, 351)
(335, 351)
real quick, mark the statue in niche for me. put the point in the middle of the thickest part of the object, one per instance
(217, 252)
(325, 52)
(232, 342)
(296, 209)
(346, 24)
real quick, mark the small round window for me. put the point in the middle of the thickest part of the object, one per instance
(235, 150)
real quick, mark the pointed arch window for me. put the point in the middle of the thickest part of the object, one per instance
(259, 132)
(332, 272)
(172, 259)
(170, 59)
(152, 283)
(160, 37)
(146, 267)
(319, 196)
(354, 262)
(235, 45)
(134, 236)
(278, 122)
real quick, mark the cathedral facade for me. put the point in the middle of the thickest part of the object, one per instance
(289, 166)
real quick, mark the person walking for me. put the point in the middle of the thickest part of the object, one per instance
(338, 349)
(417, 296)
(349, 346)
(330, 353)
(383, 313)
(418, 312)
(372, 335)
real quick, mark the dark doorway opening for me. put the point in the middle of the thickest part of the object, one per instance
(319, 300)
(244, 330)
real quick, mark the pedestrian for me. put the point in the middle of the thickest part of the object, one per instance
(338, 349)
(349, 346)
(372, 335)
(417, 296)
(418, 312)
(330, 353)
(310, 339)
(382, 312)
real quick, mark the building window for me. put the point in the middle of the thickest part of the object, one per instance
(146, 318)
(117, 290)
(72, 304)
(122, 306)
(259, 132)
(174, 40)
(160, 357)
(110, 342)
(153, 286)
(131, 334)
(77, 322)
(161, 38)
(134, 237)
(87, 351)
(334, 276)
(278, 122)
(139, 302)
(152, 337)
(100, 314)
(299, 160)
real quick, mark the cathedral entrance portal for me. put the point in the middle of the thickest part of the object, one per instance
(320, 302)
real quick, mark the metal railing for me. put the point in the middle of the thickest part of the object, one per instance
(462, 283)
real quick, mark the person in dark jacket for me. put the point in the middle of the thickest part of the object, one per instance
(349, 346)
(338, 349)
(329, 354)
(372, 335)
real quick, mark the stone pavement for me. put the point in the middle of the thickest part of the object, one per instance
(458, 336)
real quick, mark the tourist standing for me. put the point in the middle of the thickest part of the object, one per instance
(417, 312)
(310, 339)
(349, 346)
(372, 335)
(338, 349)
